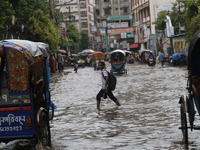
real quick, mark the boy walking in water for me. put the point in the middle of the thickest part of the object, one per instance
(104, 87)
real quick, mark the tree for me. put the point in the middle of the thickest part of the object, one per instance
(32, 21)
(41, 28)
(73, 36)
(161, 24)
(84, 40)
(192, 18)
(6, 12)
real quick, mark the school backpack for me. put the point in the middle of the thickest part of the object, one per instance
(112, 81)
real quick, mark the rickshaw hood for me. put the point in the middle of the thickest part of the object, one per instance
(34, 48)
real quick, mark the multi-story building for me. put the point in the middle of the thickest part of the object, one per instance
(78, 12)
(113, 21)
(144, 13)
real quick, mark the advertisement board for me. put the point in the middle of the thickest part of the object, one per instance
(118, 25)
(127, 35)
(119, 31)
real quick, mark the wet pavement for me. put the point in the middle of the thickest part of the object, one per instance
(147, 120)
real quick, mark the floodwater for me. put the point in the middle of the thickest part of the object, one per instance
(147, 120)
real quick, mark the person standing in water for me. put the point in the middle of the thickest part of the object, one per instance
(104, 88)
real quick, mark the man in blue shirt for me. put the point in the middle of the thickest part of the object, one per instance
(161, 57)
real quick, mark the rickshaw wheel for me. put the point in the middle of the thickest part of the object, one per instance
(184, 127)
(44, 131)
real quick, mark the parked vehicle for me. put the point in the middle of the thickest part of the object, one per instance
(81, 62)
(178, 59)
(118, 62)
(144, 55)
(192, 98)
(151, 59)
(25, 100)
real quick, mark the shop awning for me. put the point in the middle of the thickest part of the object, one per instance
(134, 46)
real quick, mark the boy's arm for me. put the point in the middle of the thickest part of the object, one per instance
(106, 85)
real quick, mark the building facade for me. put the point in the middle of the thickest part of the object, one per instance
(113, 17)
(144, 13)
(78, 12)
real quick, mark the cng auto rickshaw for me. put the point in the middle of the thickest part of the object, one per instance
(118, 62)
(24, 91)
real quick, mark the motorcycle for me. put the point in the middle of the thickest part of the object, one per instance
(151, 62)
(151, 59)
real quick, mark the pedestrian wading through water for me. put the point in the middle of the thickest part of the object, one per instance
(105, 89)
(112, 81)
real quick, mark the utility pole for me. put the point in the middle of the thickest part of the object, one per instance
(52, 12)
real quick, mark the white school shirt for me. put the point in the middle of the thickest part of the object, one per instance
(103, 81)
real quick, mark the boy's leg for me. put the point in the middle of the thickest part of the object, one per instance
(112, 97)
(98, 105)
(98, 98)
(117, 102)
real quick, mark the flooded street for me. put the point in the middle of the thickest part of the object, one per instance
(148, 118)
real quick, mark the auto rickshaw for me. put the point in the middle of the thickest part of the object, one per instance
(190, 102)
(25, 101)
(118, 62)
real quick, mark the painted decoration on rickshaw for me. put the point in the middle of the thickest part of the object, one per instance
(99, 56)
(18, 71)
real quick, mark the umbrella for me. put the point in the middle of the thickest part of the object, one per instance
(62, 51)
(74, 55)
(87, 52)
(98, 52)
(141, 50)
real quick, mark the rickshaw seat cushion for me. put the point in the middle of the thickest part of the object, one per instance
(195, 84)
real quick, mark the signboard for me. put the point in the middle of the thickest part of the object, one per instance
(118, 25)
(119, 31)
(94, 29)
(103, 23)
(152, 36)
(102, 31)
(122, 17)
(62, 30)
(127, 35)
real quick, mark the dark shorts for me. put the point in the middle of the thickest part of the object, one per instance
(109, 93)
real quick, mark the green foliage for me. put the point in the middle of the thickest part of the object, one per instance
(6, 13)
(43, 29)
(84, 40)
(73, 38)
(73, 33)
(160, 22)
(192, 19)
(175, 20)
(34, 15)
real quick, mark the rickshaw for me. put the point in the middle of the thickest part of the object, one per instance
(144, 55)
(190, 103)
(96, 57)
(118, 62)
(25, 103)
